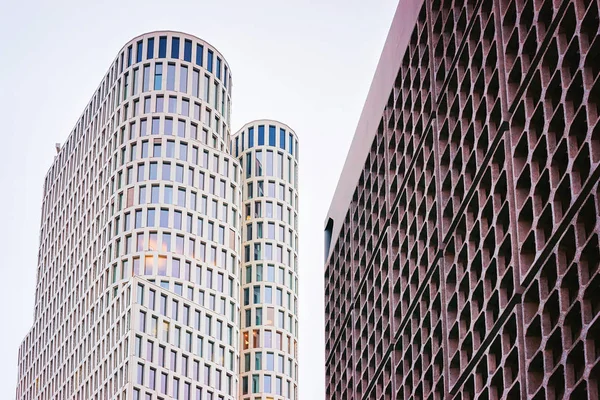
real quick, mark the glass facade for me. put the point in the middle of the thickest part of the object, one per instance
(269, 303)
(160, 252)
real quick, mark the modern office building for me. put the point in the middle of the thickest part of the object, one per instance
(138, 290)
(268, 153)
(462, 256)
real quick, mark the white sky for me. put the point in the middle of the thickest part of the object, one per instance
(306, 63)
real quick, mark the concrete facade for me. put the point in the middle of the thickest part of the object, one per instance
(462, 255)
(138, 286)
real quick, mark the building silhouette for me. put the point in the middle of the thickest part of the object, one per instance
(461, 245)
(139, 284)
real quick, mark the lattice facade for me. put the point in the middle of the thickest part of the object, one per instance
(467, 265)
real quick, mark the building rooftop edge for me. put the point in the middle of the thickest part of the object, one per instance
(395, 45)
(238, 131)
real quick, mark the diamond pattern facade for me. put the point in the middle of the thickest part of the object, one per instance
(467, 264)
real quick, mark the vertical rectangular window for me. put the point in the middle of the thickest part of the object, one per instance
(259, 163)
(272, 135)
(209, 61)
(249, 167)
(280, 170)
(183, 79)
(155, 126)
(261, 135)
(150, 49)
(199, 55)
(139, 51)
(146, 78)
(291, 144)
(125, 85)
(195, 82)
(187, 50)
(134, 83)
(225, 77)
(269, 163)
(282, 138)
(129, 53)
(172, 104)
(206, 88)
(158, 70)
(175, 47)
(215, 95)
(218, 68)
(162, 47)
(140, 374)
(250, 138)
(171, 76)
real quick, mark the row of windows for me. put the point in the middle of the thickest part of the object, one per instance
(192, 273)
(174, 219)
(173, 78)
(173, 104)
(176, 127)
(272, 252)
(247, 139)
(268, 338)
(189, 393)
(165, 242)
(270, 317)
(140, 122)
(268, 361)
(187, 52)
(270, 385)
(269, 233)
(211, 302)
(179, 150)
(255, 162)
(188, 340)
(178, 196)
(180, 388)
(269, 209)
(267, 297)
(255, 273)
(149, 323)
(220, 193)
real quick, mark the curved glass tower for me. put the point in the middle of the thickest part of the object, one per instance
(268, 151)
(138, 284)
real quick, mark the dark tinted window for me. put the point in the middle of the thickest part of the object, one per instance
(162, 47)
(199, 55)
(209, 67)
(150, 50)
(175, 48)
(261, 135)
(139, 50)
(272, 135)
(282, 138)
(187, 51)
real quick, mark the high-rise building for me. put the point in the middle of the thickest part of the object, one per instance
(268, 153)
(462, 256)
(139, 287)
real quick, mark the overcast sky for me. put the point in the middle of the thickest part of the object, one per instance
(306, 63)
